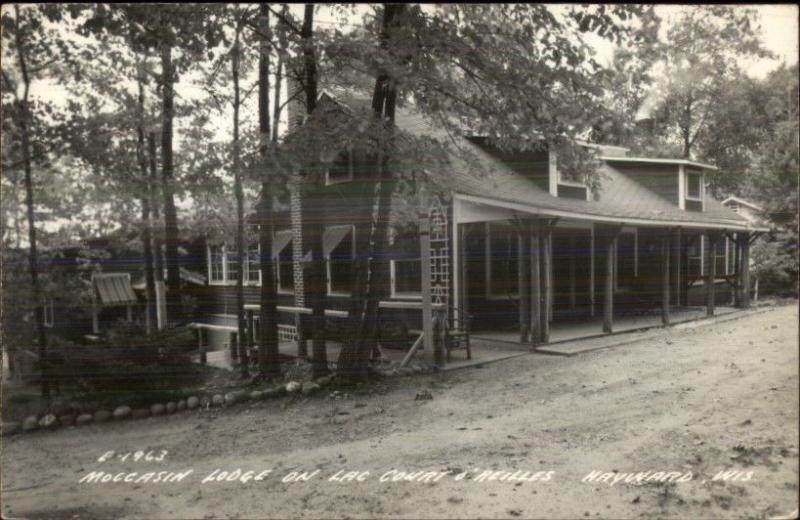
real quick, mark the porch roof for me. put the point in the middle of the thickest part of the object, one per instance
(114, 288)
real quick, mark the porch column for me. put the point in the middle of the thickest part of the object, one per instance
(745, 271)
(129, 313)
(536, 291)
(462, 283)
(737, 270)
(95, 318)
(524, 279)
(665, 245)
(572, 252)
(711, 273)
(546, 262)
(608, 293)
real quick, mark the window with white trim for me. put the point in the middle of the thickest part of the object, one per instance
(694, 186)
(253, 271)
(216, 263)
(406, 268)
(341, 170)
(720, 257)
(502, 252)
(694, 256)
(339, 263)
(231, 263)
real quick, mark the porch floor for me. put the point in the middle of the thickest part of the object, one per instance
(561, 331)
(488, 346)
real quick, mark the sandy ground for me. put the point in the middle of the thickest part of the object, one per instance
(693, 401)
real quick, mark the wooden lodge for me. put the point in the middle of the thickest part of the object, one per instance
(514, 244)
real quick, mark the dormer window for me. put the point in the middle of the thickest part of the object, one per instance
(694, 186)
(341, 170)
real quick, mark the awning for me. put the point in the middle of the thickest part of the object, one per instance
(114, 288)
(279, 241)
(332, 237)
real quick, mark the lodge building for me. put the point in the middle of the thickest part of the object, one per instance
(515, 244)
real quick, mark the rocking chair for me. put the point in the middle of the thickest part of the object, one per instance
(456, 332)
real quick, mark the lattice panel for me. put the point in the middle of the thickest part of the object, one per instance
(440, 255)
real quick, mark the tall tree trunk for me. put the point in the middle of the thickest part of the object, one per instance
(369, 286)
(150, 287)
(170, 213)
(269, 357)
(158, 254)
(33, 256)
(239, 193)
(315, 225)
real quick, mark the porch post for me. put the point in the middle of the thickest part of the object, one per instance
(676, 266)
(711, 273)
(665, 245)
(427, 304)
(462, 283)
(737, 270)
(536, 290)
(608, 293)
(524, 272)
(572, 298)
(745, 271)
(591, 272)
(544, 323)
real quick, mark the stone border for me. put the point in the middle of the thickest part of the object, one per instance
(68, 416)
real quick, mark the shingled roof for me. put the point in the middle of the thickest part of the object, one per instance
(474, 170)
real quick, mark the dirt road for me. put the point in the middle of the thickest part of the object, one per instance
(693, 402)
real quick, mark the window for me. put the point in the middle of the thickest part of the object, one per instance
(339, 246)
(216, 258)
(286, 267)
(720, 257)
(626, 258)
(501, 261)
(406, 269)
(253, 272)
(232, 263)
(49, 318)
(694, 186)
(341, 170)
(694, 256)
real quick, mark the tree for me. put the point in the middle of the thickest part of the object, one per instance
(698, 58)
(35, 51)
(495, 70)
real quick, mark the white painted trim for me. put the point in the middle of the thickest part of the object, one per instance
(681, 162)
(636, 252)
(552, 173)
(681, 187)
(532, 210)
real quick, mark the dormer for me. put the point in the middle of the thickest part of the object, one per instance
(568, 186)
(681, 181)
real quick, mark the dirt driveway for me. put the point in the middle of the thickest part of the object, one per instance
(533, 437)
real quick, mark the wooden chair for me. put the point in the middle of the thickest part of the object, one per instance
(456, 332)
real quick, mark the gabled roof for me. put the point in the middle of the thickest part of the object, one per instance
(742, 202)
